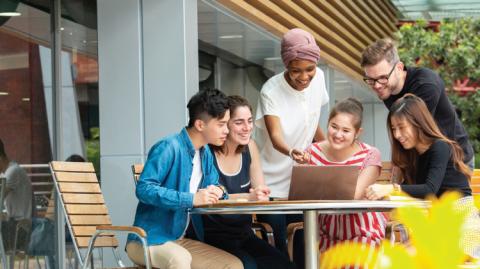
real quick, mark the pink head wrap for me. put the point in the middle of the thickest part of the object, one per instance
(299, 44)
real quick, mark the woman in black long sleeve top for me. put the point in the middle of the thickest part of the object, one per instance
(430, 163)
(436, 173)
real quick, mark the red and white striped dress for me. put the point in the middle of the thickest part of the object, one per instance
(367, 228)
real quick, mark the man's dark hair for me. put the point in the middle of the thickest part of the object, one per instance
(2, 150)
(75, 158)
(206, 104)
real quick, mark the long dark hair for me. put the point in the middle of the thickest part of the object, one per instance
(234, 102)
(415, 111)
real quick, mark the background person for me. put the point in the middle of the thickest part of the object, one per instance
(391, 79)
(287, 118)
(238, 164)
(18, 202)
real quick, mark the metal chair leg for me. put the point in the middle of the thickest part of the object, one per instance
(11, 262)
(25, 261)
(38, 262)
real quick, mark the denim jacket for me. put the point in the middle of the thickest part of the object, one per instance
(163, 189)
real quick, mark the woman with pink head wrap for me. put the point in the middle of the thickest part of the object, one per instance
(299, 44)
(287, 118)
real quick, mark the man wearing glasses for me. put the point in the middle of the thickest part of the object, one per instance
(390, 79)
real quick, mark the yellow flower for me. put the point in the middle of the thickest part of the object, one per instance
(435, 236)
(341, 255)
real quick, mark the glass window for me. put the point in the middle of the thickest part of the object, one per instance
(27, 108)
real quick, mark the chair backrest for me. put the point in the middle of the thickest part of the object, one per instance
(136, 171)
(386, 173)
(83, 203)
(475, 182)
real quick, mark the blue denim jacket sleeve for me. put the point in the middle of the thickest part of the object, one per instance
(158, 184)
(211, 173)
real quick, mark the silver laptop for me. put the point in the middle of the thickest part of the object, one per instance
(312, 182)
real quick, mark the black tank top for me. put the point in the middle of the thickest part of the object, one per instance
(227, 227)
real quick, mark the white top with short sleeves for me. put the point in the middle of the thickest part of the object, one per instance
(299, 114)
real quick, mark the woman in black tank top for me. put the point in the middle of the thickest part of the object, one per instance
(238, 165)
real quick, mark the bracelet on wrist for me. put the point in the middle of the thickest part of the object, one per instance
(225, 192)
(290, 153)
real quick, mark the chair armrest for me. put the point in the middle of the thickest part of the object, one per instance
(137, 230)
(262, 225)
(109, 228)
(266, 230)
(395, 228)
(292, 228)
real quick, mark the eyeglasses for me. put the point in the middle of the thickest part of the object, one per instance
(383, 80)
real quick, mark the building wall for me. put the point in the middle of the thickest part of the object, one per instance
(148, 59)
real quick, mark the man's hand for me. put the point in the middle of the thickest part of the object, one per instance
(378, 191)
(260, 193)
(204, 196)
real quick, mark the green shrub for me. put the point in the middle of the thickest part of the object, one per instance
(453, 50)
(93, 149)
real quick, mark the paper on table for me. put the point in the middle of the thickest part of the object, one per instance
(400, 198)
(229, 201)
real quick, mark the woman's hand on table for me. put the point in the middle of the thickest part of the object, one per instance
(260, 193)
(378, 191)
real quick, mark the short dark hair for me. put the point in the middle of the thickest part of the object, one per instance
(205, 104)
(75, 158)
(2, 150)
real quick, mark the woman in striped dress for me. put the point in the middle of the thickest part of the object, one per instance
(343, 148)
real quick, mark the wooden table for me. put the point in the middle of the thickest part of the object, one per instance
(310, 210)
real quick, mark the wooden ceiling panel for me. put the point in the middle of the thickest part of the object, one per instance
(342, 28)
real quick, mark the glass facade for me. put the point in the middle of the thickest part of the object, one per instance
(31, 110)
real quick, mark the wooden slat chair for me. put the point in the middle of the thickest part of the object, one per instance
(475, 182)
(136, 171)
(86, 213)
(394, 229)
(385, 174)
(262, 230)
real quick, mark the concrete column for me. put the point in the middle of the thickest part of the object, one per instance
(148, 60)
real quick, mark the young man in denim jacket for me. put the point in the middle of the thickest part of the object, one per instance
(179, 174)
